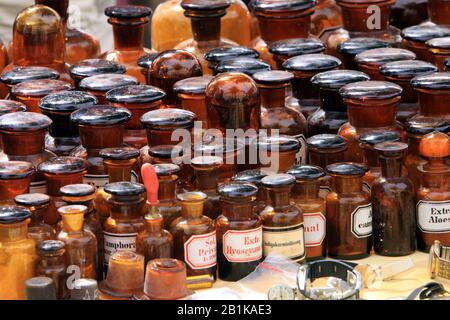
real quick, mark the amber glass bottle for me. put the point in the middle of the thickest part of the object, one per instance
(438, 11)
(168, 206)
(278, 153)
(246, 65)
(394, 219)
(145, 63)
(51, 263)
(407, 13)
(288, 48)
(415, 38)
(440, 49)
(349, 213)
(326, 149)
(216, 55)
(254, 176)
(29, 73)
(347, 50)
(306, 196)
(91, 67)
(15, 178)
(327, 15)
(63, 135)
(433, 195)
(283, 228)
(98, 85)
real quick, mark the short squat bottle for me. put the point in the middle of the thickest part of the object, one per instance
(15, 178)
(168, 206)
(52, 263)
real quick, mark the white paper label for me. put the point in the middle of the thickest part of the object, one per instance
(324, 191)
(100, 180)
(114, 242)
(287, 241)
(243, 245)
(362, 221)
(38, 187)
(200, 251)
(315, 228)
(300, 156)
(433, 216)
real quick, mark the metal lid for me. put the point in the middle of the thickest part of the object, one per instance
(424, 32)
(10, 106)
(13, 214)
(135, 94)
(194, 85)
(377, 57)
(24, 121)
(353, 46)
(170, 118)
(253, 176)
(273, 77)
(373, 90)
(15, 170)
(278, 180)
(335, 79)
(423, 125)
(281, 143)
(433, 81)
(32, 199)
(374, 137)
(49, 246)
(312, 62)
(237, 190)
(406, 69)
(67, 101)
(128, 12)
(77, 190)
(100, 115)
(281, 5)
(63, 165)
(124, 188)
(306, 172)
(326, 141)
(119, 153)
(296, 47)
(39, 88)
(245, 65)
(92, 67)
(347, 168)
(225, 53)
(106, 81)
(166, 169)
(21, 74)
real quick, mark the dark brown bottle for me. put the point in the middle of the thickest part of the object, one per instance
(15, 178)
(168, 207)
(246, 65)
(440, 49)
(407, 13)
(239, 232)
(216, 55)
(288, 48)
(99, 84)
(277, 153)
(348, 49)
(21, 74)
(91, 67)
(394, 219)
(52, 263)
(438, 11)
(415, 38)
(254, 176)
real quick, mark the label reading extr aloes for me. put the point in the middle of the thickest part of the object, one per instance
(243, 245)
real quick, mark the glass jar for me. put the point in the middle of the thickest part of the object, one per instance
(276, 154)
(415, 38)
(216, 55)
(440, 49)
(91, 67)
(288, 48)
(15, 178)
(348, 49)
(168, 207)
(52, 263)
(98, 85)
(246, 65)
(21, 74)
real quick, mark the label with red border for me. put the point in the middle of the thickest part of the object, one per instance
(315, 228)
(243, 245)
(200, 251)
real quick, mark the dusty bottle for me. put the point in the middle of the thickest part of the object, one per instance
(438, 11)
(349, 213)
(29, 73)
(305, 195)
(168, 206)
(278, 153)
(216, 55)
(440, 49)
(255, 177)
(288, 48)
(239, 231)
(18, 252)
(91, 67)
(15, 179)
(394, 219)
(63, 135)
(415, 38)
(347, 50)
(246, 65)
(283, 227)
(433, 195)
(52, 263)
(99, 84)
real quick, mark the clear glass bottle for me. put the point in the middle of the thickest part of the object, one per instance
(347, 50)
(440, 49)
(277, 154)
(216, 55)
(254, 176)
(15, 178)
(91, 67)
(246, 65)
(168, 205)
(283, 227)
(327, 15)
(99, 84)
(29, 73)
(415, 38)
(288, 48)
(394, 219)
(52, 263)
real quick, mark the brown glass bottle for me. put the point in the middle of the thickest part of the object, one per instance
(394, 219)
(415, 38)
(438, 11)
(347, 50)
(305, 195)
(407, 13)
(80, 244)
(349, 213)
(91, 67)
(327, 15)
(283, 228)
(52, 263)
(239, 232)
(246, 65)
(216, 55)
(433, 195)
(63, 135)
(168, 206)
(254, 176)
(440, 49)
(15, 178)
(288, 48)
(277, 153)
(98, 85)
(145, 63)
(128, 24)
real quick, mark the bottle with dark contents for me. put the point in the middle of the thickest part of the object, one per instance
(246, 65)
(145, 63)
(401, 73)
(305, 94)
(170, 67)
(283, 228)
(440, 49)
(255, 177)
(438, 11)
(194, 238)
(37, 204)
(21, 74)
(332, 112)
(91, 67)
(305, 195)
(278, 153)
(100, 127)
(407, 13)
(99, 84)
(432, 90)
(23, 139)
(138, 99)
(280, 20)
(168, 179)
(128, 23)
(80, 244)
(205, 18)
(370, 105)
(59, 172)
(239, 231)
(216, 55)
(327, 15)
(52, 263)
(394, 218)
(288, 48)
(433, 195)
(347, 50)
(349, 213)
(15, 179)
(63, 135)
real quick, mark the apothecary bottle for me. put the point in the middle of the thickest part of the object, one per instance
(278, 153)
(246, 65)
(15, 179)
(407, 13)
(394, 219)
(194, 237)
(98, 85)
(415, 38)
(63, 135)
(254, 176)
(288, 48)
(349, 213)
(283, 227)
(239, 232)
(440, 49)
(437, 11)
(18, 252)
(327, 15)
(145, 63)
(347, 50)
(306, 196)
(433, 195)
(17, 75)
(52, 263)
(91, 67)
(216, 55)
(168, 206)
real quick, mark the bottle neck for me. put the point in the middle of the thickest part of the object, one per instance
(434, 104)
(370, 157)
(279, 197)
(436, 174)
(372, 114)
(23, 144)
(128, 33)
(365, 18)
(155, 225)
(119, 170)
(323, 158)
(192, 210)
(73, 222)
(391, 167)
(307, 189)
(272, 97)
(13, 232)
(237, 211)
(284, 27)
(167, 187)
(330, 100)
(51, 260)
(347, 184)
(206, 29)
(207, 179)
(62, 126)
(99, 137)
(127, 208)
(56, 181)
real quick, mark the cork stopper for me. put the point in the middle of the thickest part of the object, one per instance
(435, 145)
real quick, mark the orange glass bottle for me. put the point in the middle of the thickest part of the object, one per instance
(278, 153)
(440, 49)
(285, 49)
(347, 50)
(168, 206)
(216, 55)
(327, 15)
(91, 67)
(52, 263)
(415, 38)
(98, 85)
(15, 178)
(21, 74)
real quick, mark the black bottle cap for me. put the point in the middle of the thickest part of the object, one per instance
(165, 151)
(67, 101)
(128, 12)
(373, 90)
(91, 67)
(32, 199)
(347, 168)
(15, 170)
(77, 190)
(39, 88)
(391, 149)
(423, 125)
(278, 180)
(353, 46)
(312, 62)
(306, 172)
(106, 81)
(13, 214)
(119, 153)
(447, 63)
(194, 85)
(253, 176)
(273, 77)
(10, 106)
(439, 43)
(225, 53)
(124, 188)
(374, 137)
(49, 246)
(296, 47)
(205, 5)
(84, 289)
(335, 79)
(407, 69)
(166, 169)
(282, 142)
(100, 115)
(381, 56)
(424, 32)
(433, 81)
(40, 288)
(22, 74)
(282, 5)
(170, 118)
(146, 60)
(24, 121)
(237, 190)
(63, 165)
(245, 65)
(326, 141)
(135, 94)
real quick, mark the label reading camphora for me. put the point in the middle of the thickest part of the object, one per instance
(362, 221)
(243, 245)
(288, 241)
(433, 216)
(315, 228)
(114, 242)
(200, 251)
